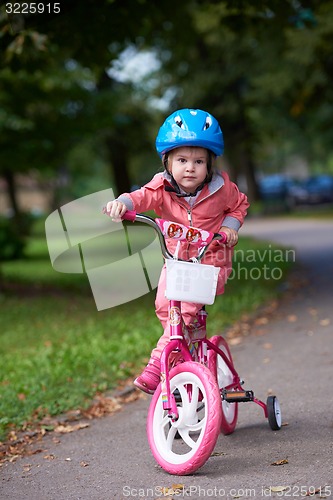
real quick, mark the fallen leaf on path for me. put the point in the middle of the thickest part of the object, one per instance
(281, 462)
(325, 322)
(17, 447)
(261, 321)
(49, 457)
(34, 452)
(278, 489)
(84, 464)
(235, 341)
(178, 486)
(12, 436)
(292, 318)
(239, 329)
(19, 443)
(65, 429)
(103, 406)
(175, 489)
(267, 345)
(260, 332)
(317, 491)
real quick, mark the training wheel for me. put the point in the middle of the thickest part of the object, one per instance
(274, 413)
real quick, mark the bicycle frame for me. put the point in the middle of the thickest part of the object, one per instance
(188, 352)
(179, 343)
(199, 390)
(185, 346)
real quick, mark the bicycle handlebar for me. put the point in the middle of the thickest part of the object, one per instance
(130, 215)
(179, 232)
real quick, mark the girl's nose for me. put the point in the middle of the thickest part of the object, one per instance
(189, 166)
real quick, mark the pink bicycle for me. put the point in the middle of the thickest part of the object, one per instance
(197, 398)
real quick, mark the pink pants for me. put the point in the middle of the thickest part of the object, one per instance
(189, 310)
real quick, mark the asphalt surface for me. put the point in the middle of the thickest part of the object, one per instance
(288, 353)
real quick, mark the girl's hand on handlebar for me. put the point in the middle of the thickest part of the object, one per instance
(232, 236)
(116, 210)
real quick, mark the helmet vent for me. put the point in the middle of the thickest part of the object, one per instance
(208, 123)
(179, 121)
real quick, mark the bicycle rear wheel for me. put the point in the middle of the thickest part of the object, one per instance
(224, 377)
(183, 446)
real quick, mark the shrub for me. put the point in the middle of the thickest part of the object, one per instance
(13, 236)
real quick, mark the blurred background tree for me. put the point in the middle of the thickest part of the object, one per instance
(83, 92)
(264, 70)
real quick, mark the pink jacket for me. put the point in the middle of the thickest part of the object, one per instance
(219, 203)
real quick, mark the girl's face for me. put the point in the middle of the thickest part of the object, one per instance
(188, 166)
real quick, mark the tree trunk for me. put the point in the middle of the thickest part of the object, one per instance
(11, 191)
(248, 166)
(118, 153)
(252, 185)
(21, 221)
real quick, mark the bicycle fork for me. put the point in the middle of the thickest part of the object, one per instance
(178, 344)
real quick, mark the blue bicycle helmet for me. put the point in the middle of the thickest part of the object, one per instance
(190, 127)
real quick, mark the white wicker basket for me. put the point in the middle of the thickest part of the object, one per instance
(191, 282)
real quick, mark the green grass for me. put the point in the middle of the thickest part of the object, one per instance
(322, 211)
(57, 350)
(317, 211)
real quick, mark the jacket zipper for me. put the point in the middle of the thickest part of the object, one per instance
(189, 216)
(189, 213)
(189, 210)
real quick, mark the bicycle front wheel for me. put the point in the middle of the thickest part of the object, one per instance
(224, 377)
(183, 446)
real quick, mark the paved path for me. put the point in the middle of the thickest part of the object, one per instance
(291, 355)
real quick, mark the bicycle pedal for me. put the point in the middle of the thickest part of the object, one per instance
(237, 396)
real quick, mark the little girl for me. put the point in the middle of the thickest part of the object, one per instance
(189, 192)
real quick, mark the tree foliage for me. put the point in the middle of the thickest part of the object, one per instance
(264, 69)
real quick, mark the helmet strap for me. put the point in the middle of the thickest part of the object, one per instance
(176, 189)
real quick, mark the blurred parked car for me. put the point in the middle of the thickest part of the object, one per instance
(314, 190)
(275, 187)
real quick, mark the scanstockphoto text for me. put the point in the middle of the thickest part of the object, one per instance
(194, 491)
(197, 491)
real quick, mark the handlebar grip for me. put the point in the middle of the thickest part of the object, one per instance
(130, 215)
(223, 238)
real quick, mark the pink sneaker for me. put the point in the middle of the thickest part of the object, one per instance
(150, 377)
